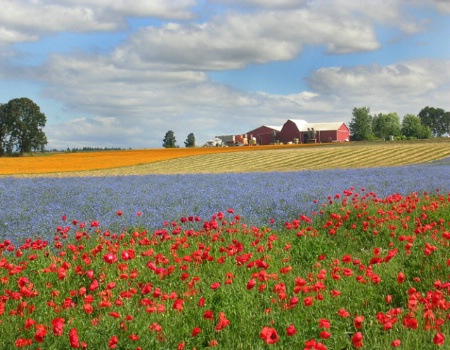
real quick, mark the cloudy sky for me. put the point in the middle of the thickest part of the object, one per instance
(119, 73)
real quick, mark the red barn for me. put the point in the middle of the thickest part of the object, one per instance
(300, 131)
(264, 135)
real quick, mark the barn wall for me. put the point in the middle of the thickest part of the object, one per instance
(343, 134)
(263, 135)
(326, 135)
(289, 132)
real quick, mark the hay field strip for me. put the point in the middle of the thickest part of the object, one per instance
(236, 159)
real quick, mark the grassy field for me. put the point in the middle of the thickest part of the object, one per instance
(233, 159)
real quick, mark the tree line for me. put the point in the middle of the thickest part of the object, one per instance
(170, 141)
(430, 122)
(21, 123)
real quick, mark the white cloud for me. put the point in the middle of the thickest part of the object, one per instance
(179, 9)
(442, 5)
(235, 40)
(398, 86)
(26, 20)
(136, 111)
(267, 4)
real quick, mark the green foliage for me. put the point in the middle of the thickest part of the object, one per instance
(436, 119)
(413, 128)
(169, 140)
(21, 124)
(190, 141)
(384, 125)
(361, 124)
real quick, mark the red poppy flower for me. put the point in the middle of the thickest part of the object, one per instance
(41, 332)
(396, 343)
(313, 345)
(208, 315)
(133, 337)
(358, 321)
(223, 322)
(357, 340)
(251, 284)
(94, 285)
(178, 305)
(325, 335)
(269, 335)
(343, 313)
(110, 258)
(29, 323)
(292, 302)
(324, 323)
(439, 339)
(196, 331)
(400, 277)
(335, 293)
(113, 342)
(290, 331)
(58, 325)
(73, 338)
(21, 342)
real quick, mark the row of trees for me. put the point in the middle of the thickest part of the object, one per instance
(430, 122)
(21, 123)
(170, 141)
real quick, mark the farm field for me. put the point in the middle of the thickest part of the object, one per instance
(345, 258)
(229, 159)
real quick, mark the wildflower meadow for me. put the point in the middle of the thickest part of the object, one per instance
(332, 259)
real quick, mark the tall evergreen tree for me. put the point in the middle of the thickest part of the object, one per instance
(169, 140)
(190, 141)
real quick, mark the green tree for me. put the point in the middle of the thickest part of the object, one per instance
(5, 129)
(437, 119)
(361, 124)
(190, 141)
(169, 140)
(24, 121)
(412, 127)
(384, 125)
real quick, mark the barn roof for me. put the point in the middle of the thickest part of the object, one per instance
(325, 126)
(277, 128)
(303, 125)
(271, 127)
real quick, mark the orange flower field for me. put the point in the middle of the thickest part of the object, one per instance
(83, 161)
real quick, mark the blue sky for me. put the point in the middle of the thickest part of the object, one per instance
(114, 73)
